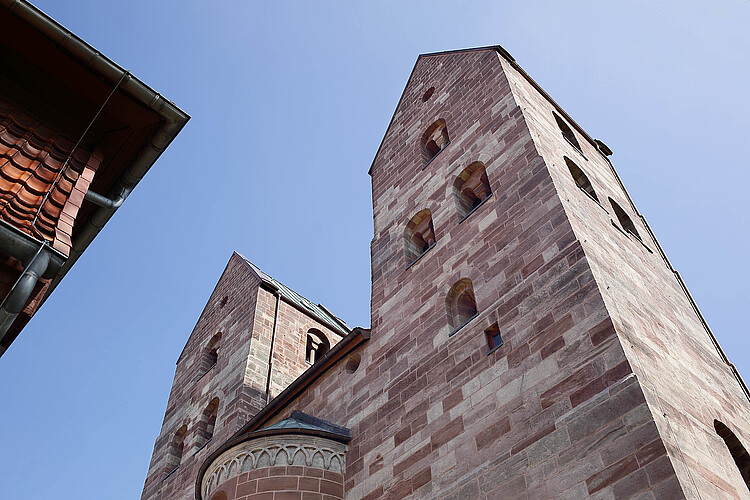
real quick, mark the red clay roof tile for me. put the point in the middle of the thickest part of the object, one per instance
(31, 157)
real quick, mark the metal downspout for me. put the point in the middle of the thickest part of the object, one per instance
(173, 120)
(103, 201)
(273, 341)
(21, 291)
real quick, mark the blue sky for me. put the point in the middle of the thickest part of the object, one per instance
(289, 102)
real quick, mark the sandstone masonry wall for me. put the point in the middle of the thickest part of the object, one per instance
(606, 384)
(555, 410)
(190, 394)
(284, 483)
(243, 312)
(687, 384)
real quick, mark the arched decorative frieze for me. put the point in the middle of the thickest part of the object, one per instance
(274, 450)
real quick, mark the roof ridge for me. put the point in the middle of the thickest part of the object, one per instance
(319, 311)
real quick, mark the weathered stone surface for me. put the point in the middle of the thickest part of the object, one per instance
(243, 313)
(533, 415)
(606, 383)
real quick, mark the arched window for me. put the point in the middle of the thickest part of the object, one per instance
(207, 422)
(419, 235)
(581, 180)
(460, 303)
(738, 452)
(317, 345)
(219, 495)
(624, 219)
(210, 355)
(471, 188)
(434, 140)
(567, 132)
(176, 447)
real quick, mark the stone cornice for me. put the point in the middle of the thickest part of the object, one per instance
(274, 450)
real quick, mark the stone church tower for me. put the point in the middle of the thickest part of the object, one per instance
(529, 337)
(228, 370)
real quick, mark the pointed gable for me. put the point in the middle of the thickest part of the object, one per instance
(427, 88)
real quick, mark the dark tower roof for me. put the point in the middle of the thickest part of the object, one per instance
(317, 310)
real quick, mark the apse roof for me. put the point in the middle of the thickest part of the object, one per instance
(302, 421)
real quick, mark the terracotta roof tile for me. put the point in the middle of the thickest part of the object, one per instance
(31, 156)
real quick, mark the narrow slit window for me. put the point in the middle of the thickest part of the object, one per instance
(316, 347)
(207, 422)
(419, 236)
(434, 140)
(471, 188)
(580, 178)
(494, 339)
(736, 449)
(625, 222)
(567, 132)
(461, 305)
(210, 355)
(176, 449)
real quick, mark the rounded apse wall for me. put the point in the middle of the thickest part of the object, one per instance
(277, 463)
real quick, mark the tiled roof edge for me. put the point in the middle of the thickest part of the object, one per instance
(173, 118)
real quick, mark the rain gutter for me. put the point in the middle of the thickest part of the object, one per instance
(173, 120)
(276, 292)
(40, 261)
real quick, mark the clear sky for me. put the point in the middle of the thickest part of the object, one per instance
(289, 102)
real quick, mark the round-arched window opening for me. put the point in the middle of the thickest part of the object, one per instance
(471, 188)
(419, 236)
(352, 364)
(434, 140)
(461, 304)
(625, 221)
(317, 345)
(224, 301)
(736, 450)
(428, 94)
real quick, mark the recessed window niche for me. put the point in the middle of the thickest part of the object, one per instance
(471, 188)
